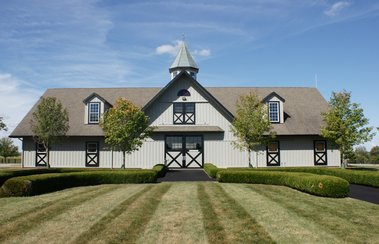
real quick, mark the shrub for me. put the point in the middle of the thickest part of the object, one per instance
(7, 174)
(43, 183)
(320, 185)
(161, 170)
(361, 177)
(211, 170)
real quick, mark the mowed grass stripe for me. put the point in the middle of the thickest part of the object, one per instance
(239, 225)
(67, 226)
(332, 206)
(126, 222)
(347, 231)
(13, 207)
(178, 218)
(24, 223)
(213, 228)
(285, 226)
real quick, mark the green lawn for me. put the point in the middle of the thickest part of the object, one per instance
(186, 213)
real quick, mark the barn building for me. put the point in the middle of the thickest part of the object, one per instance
(192, 125)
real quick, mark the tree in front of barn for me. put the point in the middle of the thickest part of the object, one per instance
(125, 127)
(49, 124)
(251, 125)
(345, 124)
(7, 148)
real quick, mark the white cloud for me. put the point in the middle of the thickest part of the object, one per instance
(202, 52)
(16, 99)
(171, 49)
(336, 8)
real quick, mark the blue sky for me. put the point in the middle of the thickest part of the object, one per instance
(74, 43)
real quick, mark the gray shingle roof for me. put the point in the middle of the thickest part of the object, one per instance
(183, 58)
(302, 106)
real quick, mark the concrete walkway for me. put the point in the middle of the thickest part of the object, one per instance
(364, 193)
(185, 175)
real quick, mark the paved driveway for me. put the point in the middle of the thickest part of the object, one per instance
(185, 175)
(365, 193)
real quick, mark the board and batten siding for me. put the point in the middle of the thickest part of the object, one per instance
(72, 154)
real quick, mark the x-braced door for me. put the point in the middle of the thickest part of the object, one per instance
(320, 153)
(41, 155)
(273, 154)
(92, 154)
(184, 151)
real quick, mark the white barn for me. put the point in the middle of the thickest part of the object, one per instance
(192, 125)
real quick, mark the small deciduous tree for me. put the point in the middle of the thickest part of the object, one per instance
(7, 148)
(345, 124)
(251, 125)
(125, 127)
(2, 124)
(50, 123)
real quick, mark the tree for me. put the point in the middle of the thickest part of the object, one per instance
(7, 149)
(251, 125)
(345, 124)
(361, 156)
(2, 125)
(374, 155)
(50, 123)
(125, 127)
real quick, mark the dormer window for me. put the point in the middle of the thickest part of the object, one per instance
(94, 112)
(274, 112)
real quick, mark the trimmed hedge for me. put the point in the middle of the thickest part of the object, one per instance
(320, 185)
(161, 170)
(211, 170)
(360, 177)
(7, 174)
(44, 183)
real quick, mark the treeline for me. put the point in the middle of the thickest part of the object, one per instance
(362, 156)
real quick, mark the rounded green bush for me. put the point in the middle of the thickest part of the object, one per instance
(211, 169)
(43, 183)
(161, 170)
(320, 185)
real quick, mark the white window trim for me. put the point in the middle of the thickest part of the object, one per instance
(89, 113)
(278, 111)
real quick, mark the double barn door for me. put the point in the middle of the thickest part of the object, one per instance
(184, 151)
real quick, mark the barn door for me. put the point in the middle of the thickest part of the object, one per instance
(41, 155)
(184, 151)
(92, 154)
(320, 153)
(273, 154)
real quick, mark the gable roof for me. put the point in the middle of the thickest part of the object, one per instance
(302, 109)
(184, 59)
(273, 94)
(205, 92)
(90, 97)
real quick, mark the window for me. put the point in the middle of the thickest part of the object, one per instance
(92, 147)
(273, 147)
(93, 113)
(184, 93)
(184, 113)
(320, 146)
(273, 112)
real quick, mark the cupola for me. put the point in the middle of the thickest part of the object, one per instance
(184, 61)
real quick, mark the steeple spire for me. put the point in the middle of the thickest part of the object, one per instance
(183, 61)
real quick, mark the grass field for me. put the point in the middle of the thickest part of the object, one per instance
(186, 213)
